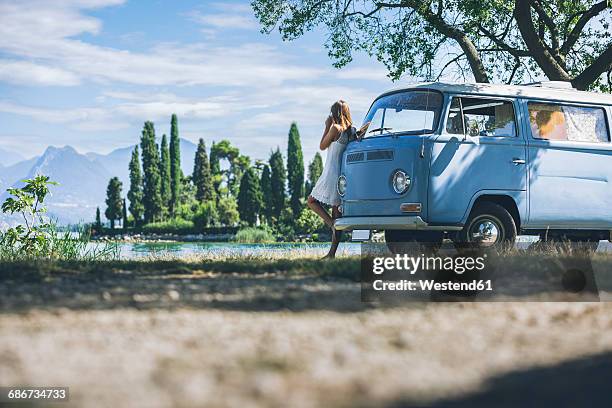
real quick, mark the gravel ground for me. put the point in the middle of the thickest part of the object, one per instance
(194, 338)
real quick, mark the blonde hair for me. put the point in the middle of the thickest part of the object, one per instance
(341, 114)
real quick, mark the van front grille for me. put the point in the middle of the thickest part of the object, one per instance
(354, 157)
(380, 155)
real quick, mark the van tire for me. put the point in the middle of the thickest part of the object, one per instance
(488, 220)
(408, 241)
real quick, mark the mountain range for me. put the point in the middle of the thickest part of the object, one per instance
(82, 178)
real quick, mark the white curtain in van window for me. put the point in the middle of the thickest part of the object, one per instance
(585, 124)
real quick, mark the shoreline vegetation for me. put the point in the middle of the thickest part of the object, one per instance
(226, 197)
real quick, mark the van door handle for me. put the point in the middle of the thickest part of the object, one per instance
(518, 161)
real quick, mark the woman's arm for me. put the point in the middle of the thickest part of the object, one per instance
(331, 133)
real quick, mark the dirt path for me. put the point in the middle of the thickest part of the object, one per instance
(278, 340)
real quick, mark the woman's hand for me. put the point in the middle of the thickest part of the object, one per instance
(329, 121)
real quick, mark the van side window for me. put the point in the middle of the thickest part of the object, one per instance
(564, 122)
(481, 117)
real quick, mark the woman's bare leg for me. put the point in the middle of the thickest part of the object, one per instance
(336, 235)
(315, 206)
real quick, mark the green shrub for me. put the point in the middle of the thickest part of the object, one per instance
(254, 235)
(39, 238)
(206, 216)
(175, 226)
(309, 223)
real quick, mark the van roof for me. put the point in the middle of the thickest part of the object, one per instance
(536, 91)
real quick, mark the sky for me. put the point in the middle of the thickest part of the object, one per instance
(88, 73)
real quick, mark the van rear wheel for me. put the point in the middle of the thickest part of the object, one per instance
(489, 226)
(409, 241)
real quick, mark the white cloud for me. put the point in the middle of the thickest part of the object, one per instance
(43, 32)
(248, 92)
(27, 73)
(224, 20)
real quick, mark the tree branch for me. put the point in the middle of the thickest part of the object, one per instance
(467, 46)
(548, 21)
(502, 45)
(574, 35)
(601, 64)
(547, 62)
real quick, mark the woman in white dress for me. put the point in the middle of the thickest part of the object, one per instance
(338, 131)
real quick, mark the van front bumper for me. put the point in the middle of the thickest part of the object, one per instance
(414, 222)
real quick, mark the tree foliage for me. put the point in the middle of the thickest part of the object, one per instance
(489, 40)
(227, 208)
(164, 172)
(176, 174)
(152, 199)
(249, 197)
(266, 192)
(295, 169)
(114, 202)
(135, 194)
(278, 179)
(98, 224)
(201, 174)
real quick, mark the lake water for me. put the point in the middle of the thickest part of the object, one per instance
(227, 249)
(177, 250)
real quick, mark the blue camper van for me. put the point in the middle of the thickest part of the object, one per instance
(480, 163)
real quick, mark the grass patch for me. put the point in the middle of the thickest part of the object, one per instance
(254, 236)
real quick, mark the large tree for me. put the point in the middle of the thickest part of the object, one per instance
(278, 178)
(315, 168)
(114, 202)
(201, 174)
(489, 40)
(164, 172)
(215, 167)
(176, 174)
(98, 224)
(295, 170)
(135, 192)
(152, 199)
(237, 165)
(124, 216)
(249, 197)
(266, 191)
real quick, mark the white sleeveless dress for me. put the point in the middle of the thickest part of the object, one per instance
(326, 191)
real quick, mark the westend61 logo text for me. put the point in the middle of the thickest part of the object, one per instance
(412, 264)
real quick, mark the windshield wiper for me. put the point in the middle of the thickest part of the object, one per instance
(380, 129)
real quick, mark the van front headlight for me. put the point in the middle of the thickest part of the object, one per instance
(401, 182)
(341, 185)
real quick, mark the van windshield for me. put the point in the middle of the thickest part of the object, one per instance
(412, 112)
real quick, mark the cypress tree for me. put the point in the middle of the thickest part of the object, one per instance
(114, 202)
(215, 167)
(152, 200)
(135, 192)
(266, 191)
(124, 222)
(98, 220)
(176, 174)
(164, 171)
(201, 174)
(295, 170)
(278, 178)
(315, 168)
(249, 197)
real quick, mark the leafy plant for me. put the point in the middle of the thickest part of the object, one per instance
(38, 238)
(28, 201)
(252, 235)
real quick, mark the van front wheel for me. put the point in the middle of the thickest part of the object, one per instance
(489, 225)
